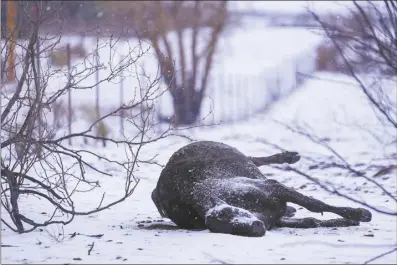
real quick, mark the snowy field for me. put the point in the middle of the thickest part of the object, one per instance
(250, 57)
(133, 231)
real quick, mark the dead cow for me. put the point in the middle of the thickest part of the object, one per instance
(210, 185)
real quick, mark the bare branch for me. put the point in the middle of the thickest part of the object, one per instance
(37, 162)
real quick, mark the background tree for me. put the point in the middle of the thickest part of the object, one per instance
(187, 83)
(184, 35)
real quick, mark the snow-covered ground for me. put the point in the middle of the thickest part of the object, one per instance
(133, 231)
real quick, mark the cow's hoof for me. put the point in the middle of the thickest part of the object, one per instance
(290, 157)
(365, 215)
(258, 229)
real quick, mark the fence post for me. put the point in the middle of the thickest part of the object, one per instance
(278, 86)
(69, 94)
(239, 98)
(296, 74)
(97, 85)
(11, 17)
(121, 100)
(40, 125)
(274, 89)
(225, 88)
(245, 91)
(216, 97)
(38, 60)
(231, 99)
(235, 99)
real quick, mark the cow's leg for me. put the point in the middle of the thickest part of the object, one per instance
(280, 158)
(221, 217)
(289, 195)
(312, 222)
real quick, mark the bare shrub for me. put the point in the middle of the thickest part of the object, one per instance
(327, 59)
(38, 165)
(364, 45)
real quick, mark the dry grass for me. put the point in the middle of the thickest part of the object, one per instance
(59, 57)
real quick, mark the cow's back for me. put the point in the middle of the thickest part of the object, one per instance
(192, 164)
(201, 160)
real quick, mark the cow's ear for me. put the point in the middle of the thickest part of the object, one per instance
(157, 202)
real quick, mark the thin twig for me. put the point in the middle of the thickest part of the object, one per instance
(91, 247)
(380, 256)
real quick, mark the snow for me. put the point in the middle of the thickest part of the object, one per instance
(159, 241)
(134, 232)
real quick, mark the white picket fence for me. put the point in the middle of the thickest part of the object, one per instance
(254, 67)
(235, 98)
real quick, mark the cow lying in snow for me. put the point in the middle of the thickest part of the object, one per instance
(212, 185)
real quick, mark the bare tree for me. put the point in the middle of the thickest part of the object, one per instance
(186, 58)
(188, 83)
(37, 163)
(365, 41)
